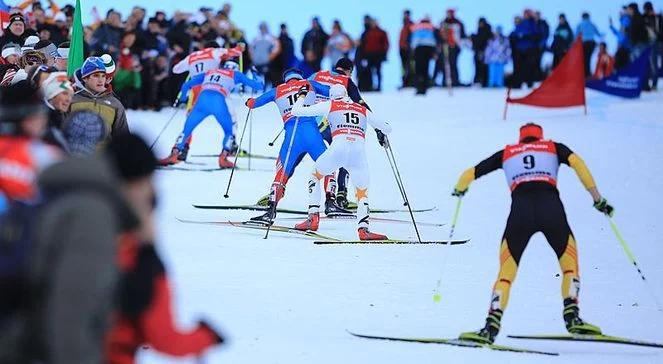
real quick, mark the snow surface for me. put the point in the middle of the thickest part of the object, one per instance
(285, 300)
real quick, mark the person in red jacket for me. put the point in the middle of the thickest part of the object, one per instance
(374, 47)
(605, 63)
(405, 51)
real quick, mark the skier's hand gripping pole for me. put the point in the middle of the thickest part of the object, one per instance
(239, 147)
(399, 182)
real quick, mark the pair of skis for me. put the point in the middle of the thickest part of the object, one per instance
(471, 344)
(320, 239)
(293, 212)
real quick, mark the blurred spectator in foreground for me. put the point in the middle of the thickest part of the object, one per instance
(589, 33)
(498, 53)
(313, 45)
(405, 51)
(605, 63)
(374, 45)
(339, 45)
(479, 43)
(562, 40)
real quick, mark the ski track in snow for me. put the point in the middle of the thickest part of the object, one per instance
(284, 300)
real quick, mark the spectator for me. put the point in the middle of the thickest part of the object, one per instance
(339, 44)
(637, 32)
(128, 81)
(405, 51)
(49, 50)
(497, 55)
(264, 49)
(11, 52)
(604, 63)
(106, 39)
(562, 40)
(423, 42)
(542, 33)
(58, 93)
(96, 98)
(374, 45)
(286, 59)
(623, 54)
(313, 45)
(523, 47)
(589, 33)
(453, 32)
(62, 57)
(17, 31)
(479, 43)
(654, 24)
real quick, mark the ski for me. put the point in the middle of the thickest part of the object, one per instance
(243, 155)
(247, 225)
(392, 241)
(455, 342)
(379, 219)
(590, 338)
(184, 169)
(294, 212)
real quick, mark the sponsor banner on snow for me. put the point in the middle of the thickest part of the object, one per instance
(626, 82)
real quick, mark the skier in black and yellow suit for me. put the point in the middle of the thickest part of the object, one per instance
(531, 169)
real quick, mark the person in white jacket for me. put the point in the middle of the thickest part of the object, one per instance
(348, 121)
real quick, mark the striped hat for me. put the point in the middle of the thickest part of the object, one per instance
(108, 63)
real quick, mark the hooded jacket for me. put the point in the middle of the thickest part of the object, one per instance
(106, 105)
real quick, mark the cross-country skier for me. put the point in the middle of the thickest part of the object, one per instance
(215, 86)
(301, 133)
(347, 121)
(531, 170)
(340, 75)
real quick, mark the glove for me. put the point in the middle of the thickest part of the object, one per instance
(382, 138)
(458, 193)
(603, 206)
(303, 91)
(250, 103)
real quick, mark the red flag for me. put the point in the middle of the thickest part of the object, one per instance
(564, 87)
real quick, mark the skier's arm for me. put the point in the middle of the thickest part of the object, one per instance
(566, 156)
(319, 88)
(377, 123)
(241, 78)
(319, 109)
(492, 163)
(184, 91)
(353, 93)
(181, 66)
(261, 100)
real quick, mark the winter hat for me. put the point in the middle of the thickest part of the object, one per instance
(60, 17)
(131, 157)
(83, 130)
(30, 58)
(337, 91)
(231, 65)
(530, 132)
(11, 49)
(292, 73)
(109, 64)
(47, 48)
(344, 64)
(92, 65)
(16, 17)
(30, 42)
(16, 103)
(63, 51)
(56, 83)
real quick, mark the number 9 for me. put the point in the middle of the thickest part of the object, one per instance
(529, 162)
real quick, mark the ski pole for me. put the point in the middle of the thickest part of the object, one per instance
(285, 171)
(455, 218)
(239, 147)
(399, 181)
(631, 258)
(271, 144)
(250, 140)
(177, 110)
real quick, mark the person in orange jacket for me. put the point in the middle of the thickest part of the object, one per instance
(605, 63)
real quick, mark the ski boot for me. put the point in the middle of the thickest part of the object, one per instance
(311, 223)
(173, 158)
(366, 235)
(267, 218)
(342, 199)
(181, 156)
(333, 209)
(574, 324)
(224, 162)
(488, 333)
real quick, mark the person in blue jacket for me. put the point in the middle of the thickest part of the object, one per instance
(216, 85)
(524, 40)
(301, 133)
(589, 33)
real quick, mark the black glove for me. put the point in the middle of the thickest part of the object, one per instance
(603, 206)
(458, 193)
(303, 91)
(382, 138)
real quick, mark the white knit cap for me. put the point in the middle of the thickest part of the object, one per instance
(108, 63)
(56, 83)
(30, 43)
(11, 49)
